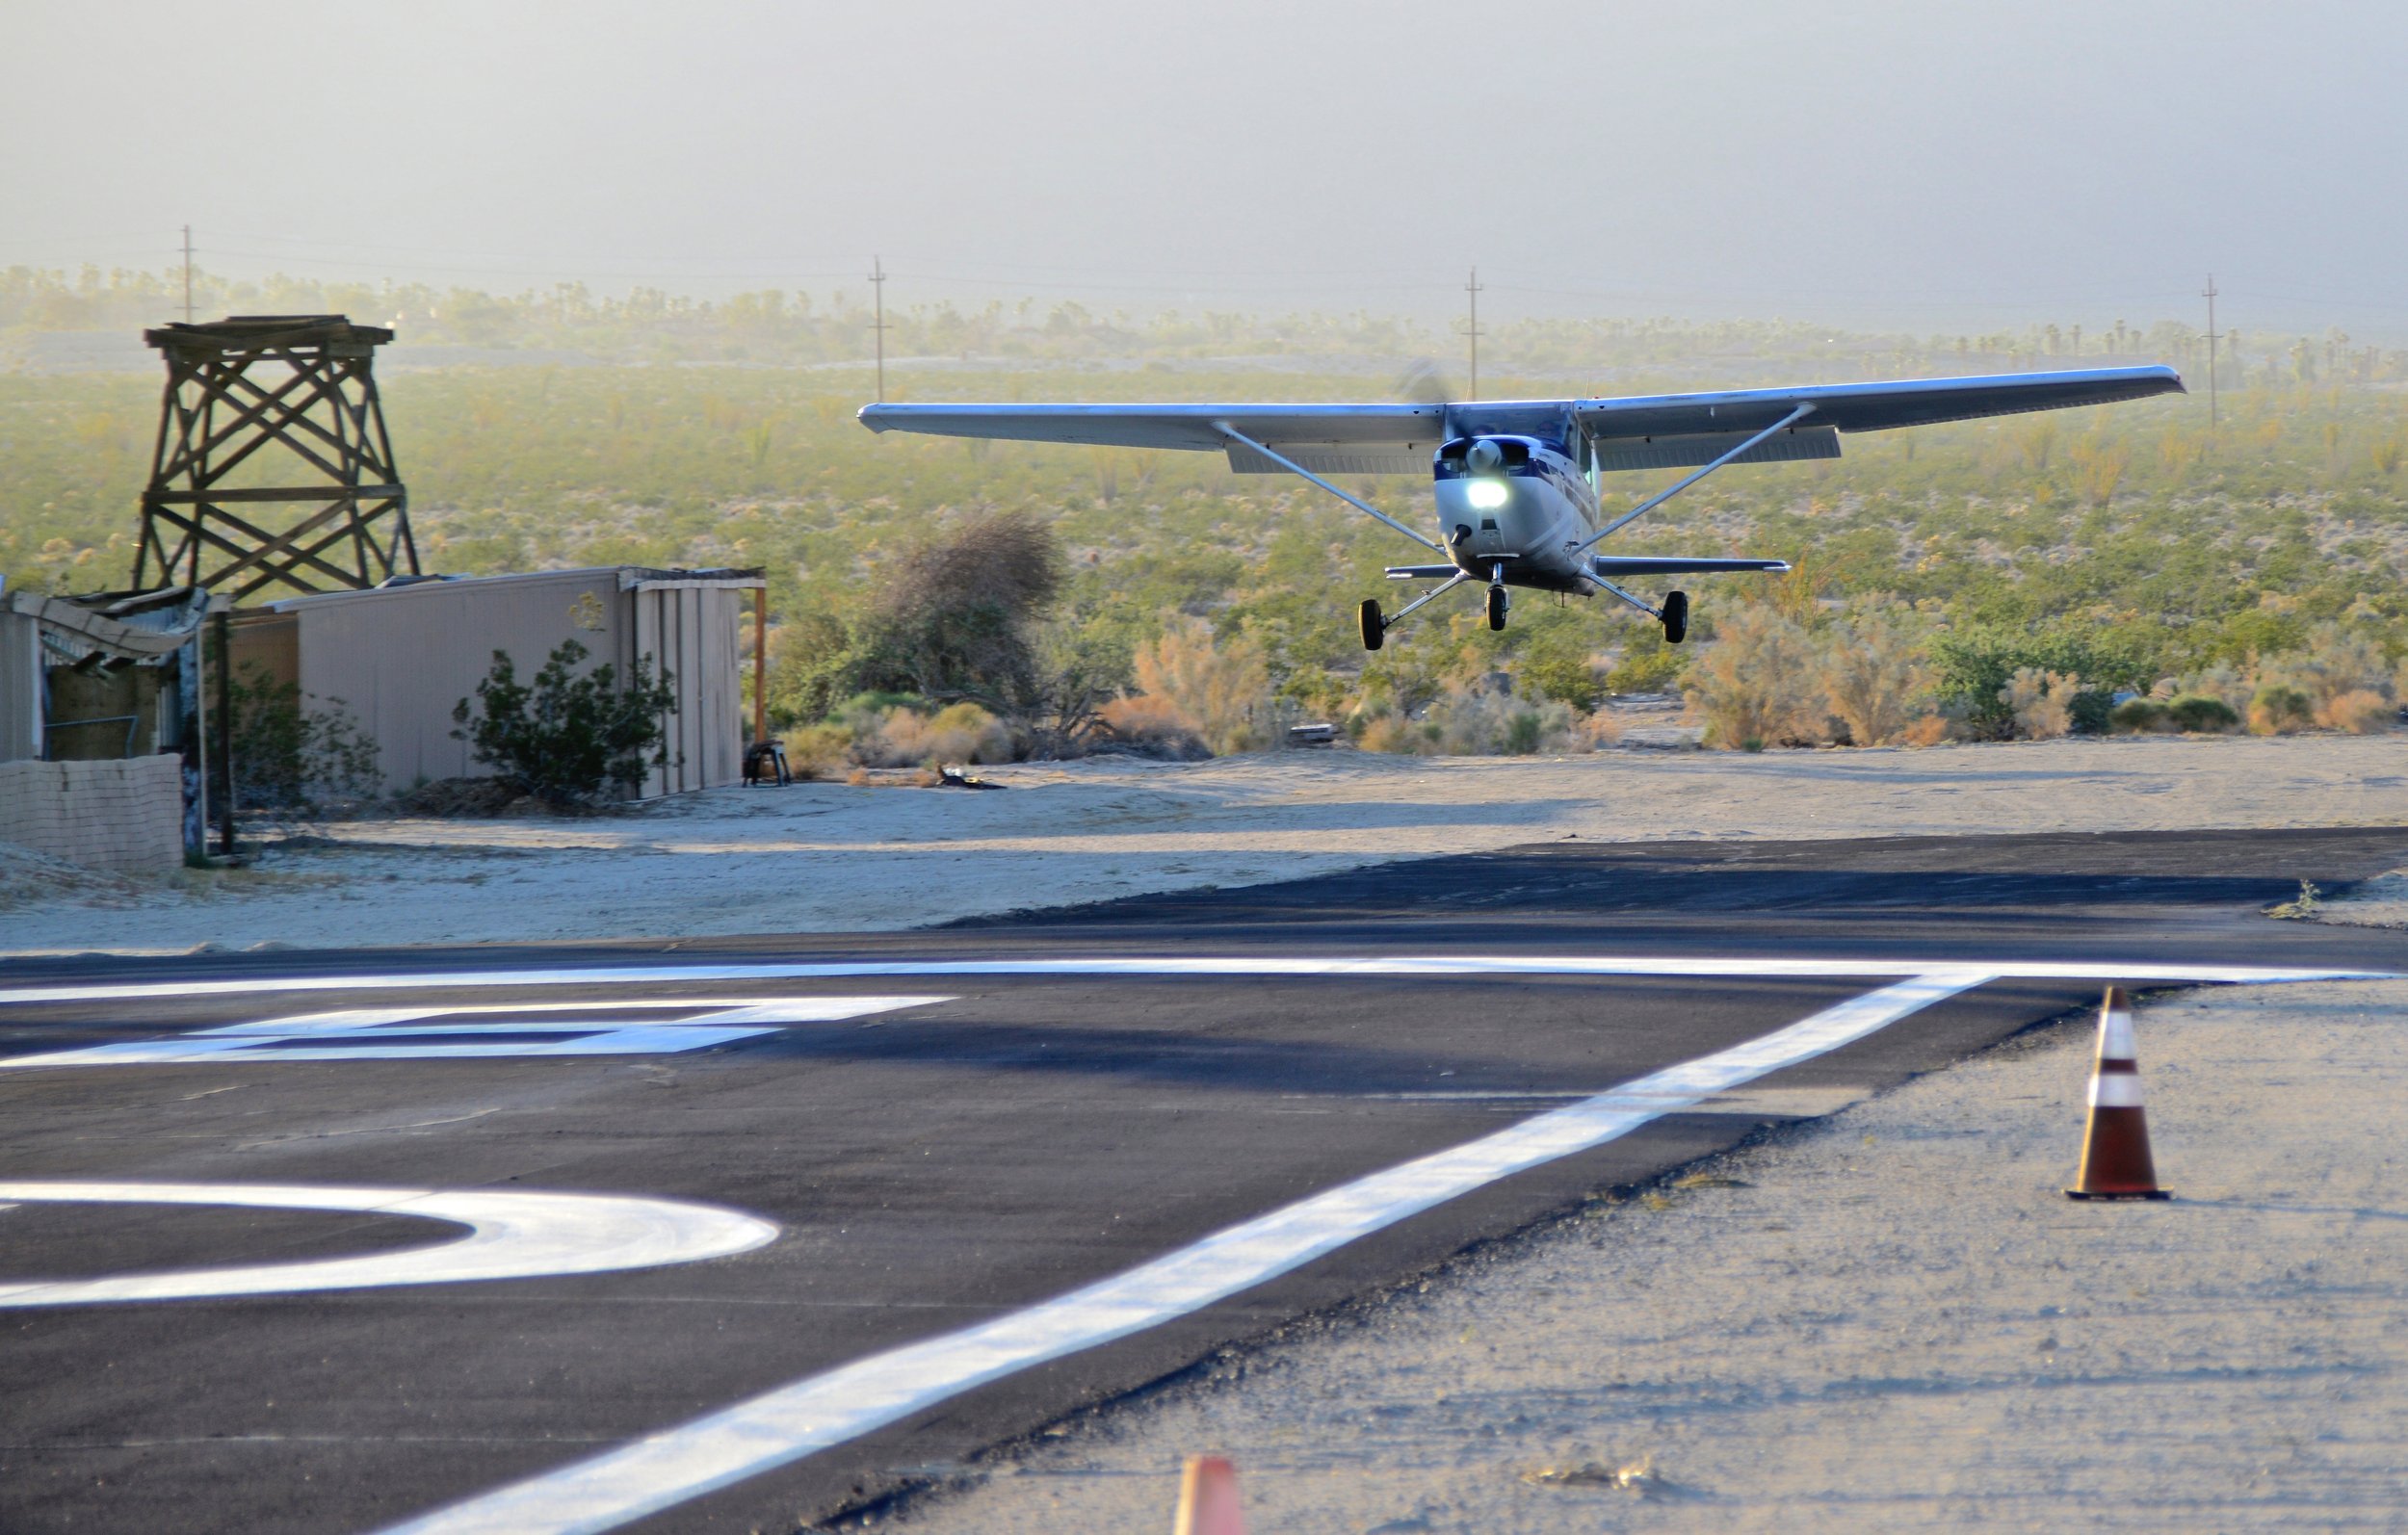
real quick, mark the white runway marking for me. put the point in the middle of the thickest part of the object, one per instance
(510, 1235)
(1463, 964)
(399, 1033)
(820, 1411)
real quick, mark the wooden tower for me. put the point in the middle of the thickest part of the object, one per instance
(273, 463)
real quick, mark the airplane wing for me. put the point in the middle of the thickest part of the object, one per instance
(1640, 432)
(1676, 564)
(1328, 439)
(1664, 432)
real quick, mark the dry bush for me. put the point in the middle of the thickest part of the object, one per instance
(2336, 661)
(818, 751)
(958, 732)
(1223, 691)
(2280, 711)
(1395, 734)
(1149, 723)
(2042, 702)
(1486, 724)
(2224, 681)
(2362, 712)
(1596, 732)
(1872, 677)
(1927, 730)
(1755, 686)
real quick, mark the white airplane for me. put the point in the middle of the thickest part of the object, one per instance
(1517, 479)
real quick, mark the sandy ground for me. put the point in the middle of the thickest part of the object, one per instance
(1888, 1320)
(827, 857)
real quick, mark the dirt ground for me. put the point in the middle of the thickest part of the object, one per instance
(829, 857)
(1888, 1320)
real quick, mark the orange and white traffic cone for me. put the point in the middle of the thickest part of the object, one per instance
(2115, 1161)
(1208, 1498)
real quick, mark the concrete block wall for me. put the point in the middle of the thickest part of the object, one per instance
(126, 816)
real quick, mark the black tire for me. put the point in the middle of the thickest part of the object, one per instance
(1675, 617)
(1374, 626)
(1496, 607)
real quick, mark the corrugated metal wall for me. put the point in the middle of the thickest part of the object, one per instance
(21, 686)
(691, 631)
(401, 658)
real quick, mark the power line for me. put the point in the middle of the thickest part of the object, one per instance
(2209, 294)
(188, 274)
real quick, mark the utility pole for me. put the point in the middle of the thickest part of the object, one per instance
(188, 274)
(1472, 331)
(877, 286)
(2209, 294)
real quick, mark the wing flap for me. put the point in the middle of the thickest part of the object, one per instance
(1382, 431)
(1685, 451)
(1611, 565)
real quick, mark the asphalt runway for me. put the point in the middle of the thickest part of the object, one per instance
(743, 1234)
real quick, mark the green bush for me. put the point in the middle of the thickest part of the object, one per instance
(288, 756)
(1975, 664)
(571, 736)
(2139, 715)
(2201, 714)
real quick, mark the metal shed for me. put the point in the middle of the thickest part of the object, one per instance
(401, 656)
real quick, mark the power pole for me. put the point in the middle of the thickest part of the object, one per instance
(877, 286)
(188, 274)
(1472, 331)
(2209, 294)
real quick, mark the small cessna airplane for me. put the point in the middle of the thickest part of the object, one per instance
(1517, 479)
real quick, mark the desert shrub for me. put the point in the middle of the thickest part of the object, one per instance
(1871, 678)
(2201, 714)
(1974, 665)
(1468, 723)
(1927, 730)
(2140, 716)
(1151, 725)
(958, 733)
(1755, 686)
(290, 757)
(1392, 733)
(1560, 668)
(1647, 664)
(957, 617)
(2336, 661)
(819, 751)
(571, 735)
(2279, 711)
(1221, 692)
(2224, 681)
(2040, 702)
(2362, 712)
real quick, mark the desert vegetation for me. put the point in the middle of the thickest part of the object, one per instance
(2126, 569)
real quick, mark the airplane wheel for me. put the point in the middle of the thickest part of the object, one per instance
(1374, 626)
(1496, 607)
(1675, 617)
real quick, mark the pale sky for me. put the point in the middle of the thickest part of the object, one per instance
(1939, 165)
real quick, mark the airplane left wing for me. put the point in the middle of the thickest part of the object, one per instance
(1365, 440)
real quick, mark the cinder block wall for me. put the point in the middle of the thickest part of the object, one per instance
(126, 816)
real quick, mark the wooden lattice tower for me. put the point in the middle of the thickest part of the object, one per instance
(320, 508)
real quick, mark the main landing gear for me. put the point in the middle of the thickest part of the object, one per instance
(1675, 617)
(1374, 626)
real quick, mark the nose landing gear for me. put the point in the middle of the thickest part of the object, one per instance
(1498, 605)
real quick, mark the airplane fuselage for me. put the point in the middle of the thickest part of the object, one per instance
(1519, 506)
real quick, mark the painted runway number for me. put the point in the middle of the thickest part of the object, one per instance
(431, 1032)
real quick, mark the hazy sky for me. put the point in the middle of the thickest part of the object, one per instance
(1941, 165)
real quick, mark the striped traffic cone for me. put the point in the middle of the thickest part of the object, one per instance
(1208, 1498)
(2115, 1161)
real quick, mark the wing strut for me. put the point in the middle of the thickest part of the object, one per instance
(1686, 481)
(1233, 434)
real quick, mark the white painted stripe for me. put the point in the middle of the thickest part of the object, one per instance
(1469, 965)
(510, 1235)
(809, 1415)
(2115, 1090)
